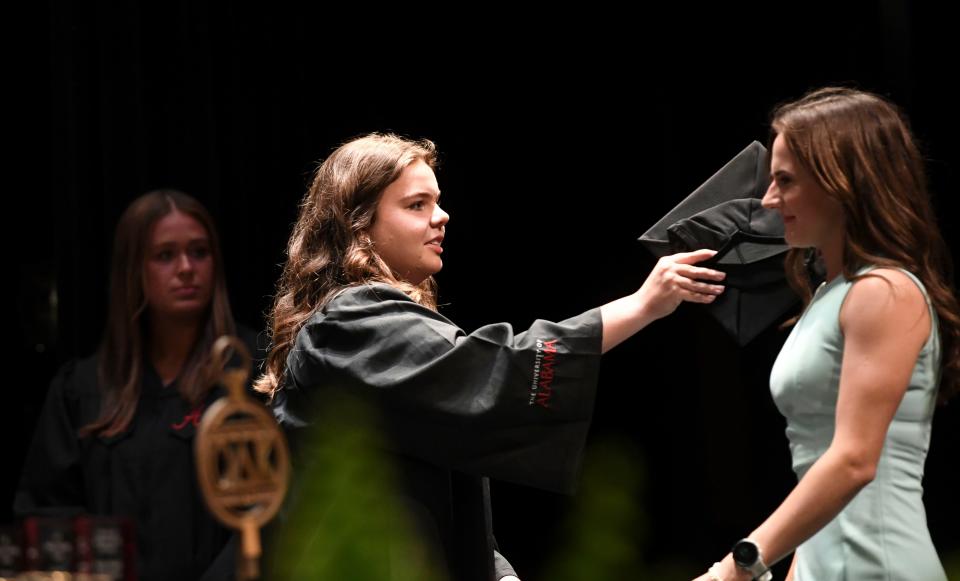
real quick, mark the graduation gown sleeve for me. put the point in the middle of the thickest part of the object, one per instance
(52, 480)
(512, 406)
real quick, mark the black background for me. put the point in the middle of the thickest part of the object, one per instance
(564, 134)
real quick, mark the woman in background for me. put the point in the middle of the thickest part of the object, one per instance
(115, 436)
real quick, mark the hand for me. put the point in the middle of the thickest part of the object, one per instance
(674, 279)
(725, 570)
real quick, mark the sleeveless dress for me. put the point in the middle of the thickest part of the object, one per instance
(882, 533)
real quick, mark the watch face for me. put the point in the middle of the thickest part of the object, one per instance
(745, 553)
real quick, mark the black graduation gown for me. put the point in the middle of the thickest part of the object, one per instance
(457, 406)
(146, 473)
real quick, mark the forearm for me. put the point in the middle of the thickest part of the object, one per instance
(622, 318)
(828, 486)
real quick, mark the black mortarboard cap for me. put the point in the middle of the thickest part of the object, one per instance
(724, 214)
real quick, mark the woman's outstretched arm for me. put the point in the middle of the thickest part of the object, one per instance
(673, 280)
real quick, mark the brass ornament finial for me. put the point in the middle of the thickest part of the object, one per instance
(243, 462)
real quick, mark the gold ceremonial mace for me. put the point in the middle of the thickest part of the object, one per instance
(242, 458)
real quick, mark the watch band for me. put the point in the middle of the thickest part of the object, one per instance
(747, 556)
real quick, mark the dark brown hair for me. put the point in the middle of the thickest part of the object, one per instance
(859, 148)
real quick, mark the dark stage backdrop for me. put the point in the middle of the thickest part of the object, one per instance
(563, 138)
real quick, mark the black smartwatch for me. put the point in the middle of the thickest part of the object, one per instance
(746, 554)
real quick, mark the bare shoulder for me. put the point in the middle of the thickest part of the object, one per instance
(886, 300)
(886, 287)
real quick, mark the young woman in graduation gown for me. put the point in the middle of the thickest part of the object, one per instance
(356, 312)
(115, 436)
(878, 344)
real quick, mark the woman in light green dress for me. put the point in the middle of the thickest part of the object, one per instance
(875, 348)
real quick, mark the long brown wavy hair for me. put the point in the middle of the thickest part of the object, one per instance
(120, 358)
(330, 247)
(859, 148)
